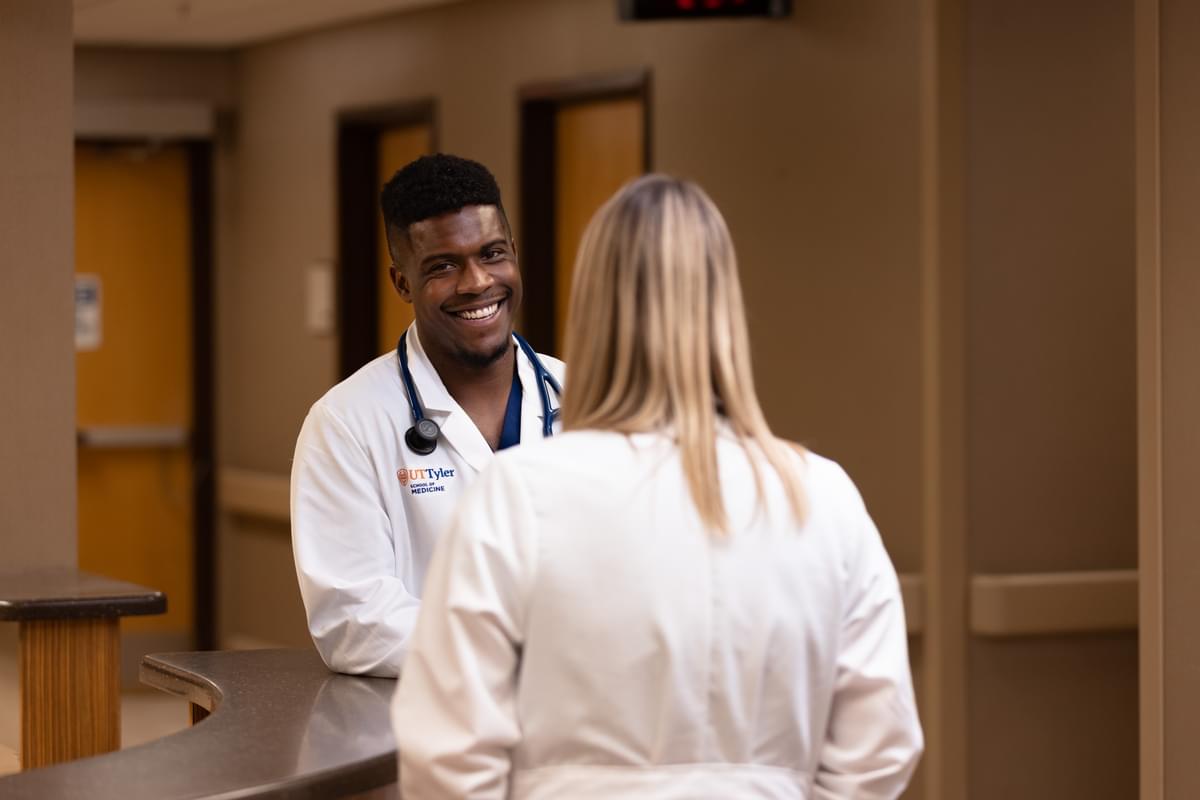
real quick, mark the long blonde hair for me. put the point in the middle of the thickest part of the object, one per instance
(656, 337)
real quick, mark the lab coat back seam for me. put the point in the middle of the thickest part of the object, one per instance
(534, 547)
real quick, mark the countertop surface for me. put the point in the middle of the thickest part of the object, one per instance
(282, 725)
(67, 593)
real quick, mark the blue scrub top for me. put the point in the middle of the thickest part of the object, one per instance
(511, 433)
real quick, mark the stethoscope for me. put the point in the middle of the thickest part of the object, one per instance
(422, 437)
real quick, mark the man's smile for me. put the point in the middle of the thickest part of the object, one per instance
(480, 313)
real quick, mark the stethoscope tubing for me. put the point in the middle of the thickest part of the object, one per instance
(543, 377)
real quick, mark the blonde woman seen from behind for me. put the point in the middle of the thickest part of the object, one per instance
(665, 601)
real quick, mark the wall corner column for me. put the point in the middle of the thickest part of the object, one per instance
(37, 356)
(1149, 377)
(944, 398)
(1168, 248)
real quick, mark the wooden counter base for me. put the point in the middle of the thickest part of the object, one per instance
(70, 661)
(70, 689)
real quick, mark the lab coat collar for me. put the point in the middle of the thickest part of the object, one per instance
(458, 429)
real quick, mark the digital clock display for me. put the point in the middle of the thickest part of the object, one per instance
(702, 9)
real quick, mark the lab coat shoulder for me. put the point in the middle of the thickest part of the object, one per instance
(874, 737)
(497, 510)
(359, 612)
(834, 509)
(355, 402)
(496, 516)
(545, 469)
(334, 440)
(547, 453)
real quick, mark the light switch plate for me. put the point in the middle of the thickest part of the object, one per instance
(319, 314)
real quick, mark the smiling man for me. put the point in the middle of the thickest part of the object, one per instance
(384, 456)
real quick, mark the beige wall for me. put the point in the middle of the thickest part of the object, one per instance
(814, 114)
(803, 130)
(37, 351)
(1051, 306)
(1051, 391)
(109, 74)
(807, 132)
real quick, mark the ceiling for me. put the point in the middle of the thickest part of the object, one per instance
(219, 23)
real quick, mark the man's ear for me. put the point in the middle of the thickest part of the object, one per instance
(401, 283)
(394, 272)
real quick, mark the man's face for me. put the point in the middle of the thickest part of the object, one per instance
(459, 271)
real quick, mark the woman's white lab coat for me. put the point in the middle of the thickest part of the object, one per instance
(367, 510)
(582, 636)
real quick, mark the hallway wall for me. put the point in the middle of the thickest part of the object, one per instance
(807, 132)
(1051, 383)
(804, 131)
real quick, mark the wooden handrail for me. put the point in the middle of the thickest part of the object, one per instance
(255, 494)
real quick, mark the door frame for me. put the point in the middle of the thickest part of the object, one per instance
(538, 104)
(199, 154)
(358, 132)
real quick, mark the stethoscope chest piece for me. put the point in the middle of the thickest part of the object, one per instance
(422, 437)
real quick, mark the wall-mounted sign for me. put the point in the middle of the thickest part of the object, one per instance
(701, 9)
(87, 312)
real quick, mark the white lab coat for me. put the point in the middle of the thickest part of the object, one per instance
(583, 637)
(362, 530)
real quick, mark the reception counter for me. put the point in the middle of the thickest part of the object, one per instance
(281, 725)
(70, 656)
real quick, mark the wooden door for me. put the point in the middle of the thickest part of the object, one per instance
(397, 147)
(134, 376)
(599, 146)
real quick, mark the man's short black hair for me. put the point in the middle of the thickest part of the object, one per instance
(435, 185)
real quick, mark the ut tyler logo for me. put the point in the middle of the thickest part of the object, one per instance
(423, 481)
